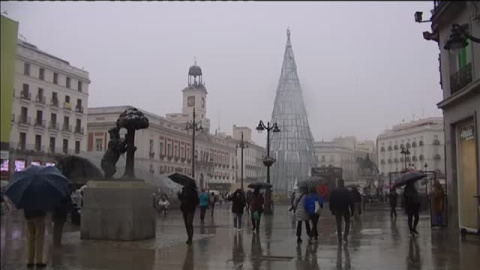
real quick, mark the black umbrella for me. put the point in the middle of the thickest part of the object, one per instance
(38, 188)
(407, 177)
(306, 185)
(79, 169)
(182, 179)
(259, 185)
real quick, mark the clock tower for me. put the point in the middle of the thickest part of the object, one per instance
(195, 96)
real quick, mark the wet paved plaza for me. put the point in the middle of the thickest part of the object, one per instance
(375, 243)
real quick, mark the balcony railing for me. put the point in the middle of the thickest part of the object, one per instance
(67, 106)
(40, 123)
(25, 95)
(23, 120)
(461, 78)
(67, 128)
(78, 130)
(54, 102)
(41, 100)
(54, 125)
(79, 109)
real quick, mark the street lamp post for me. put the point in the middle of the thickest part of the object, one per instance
(268, 162)
(194, 126)
(405, 152)
(242, 145)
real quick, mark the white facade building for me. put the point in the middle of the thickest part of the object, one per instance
(343, 152)
(48, 112)
(253, 154)
(425, 140)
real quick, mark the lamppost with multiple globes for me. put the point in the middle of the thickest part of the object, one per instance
(405, 152)
(268, 162)
(242, 145)
(194, 126)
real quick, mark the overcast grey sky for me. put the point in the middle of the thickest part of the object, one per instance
(363, 66)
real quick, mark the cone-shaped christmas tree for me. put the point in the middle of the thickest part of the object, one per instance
(293, 146)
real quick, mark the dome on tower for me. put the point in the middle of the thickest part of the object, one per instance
(195, 71)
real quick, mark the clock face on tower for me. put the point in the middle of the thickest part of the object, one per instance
(191, 101)
(203, 102)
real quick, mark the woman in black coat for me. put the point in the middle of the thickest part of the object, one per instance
(238, 204)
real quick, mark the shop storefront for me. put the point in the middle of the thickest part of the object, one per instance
(467, 175)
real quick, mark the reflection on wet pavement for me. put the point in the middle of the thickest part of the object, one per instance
(377, 242)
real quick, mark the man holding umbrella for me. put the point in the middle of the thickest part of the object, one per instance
(37, 190)
(411, 196)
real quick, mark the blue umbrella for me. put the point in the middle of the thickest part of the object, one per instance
(38, 188)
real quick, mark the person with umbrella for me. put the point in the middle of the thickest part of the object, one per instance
(438, 195)
(188, 203)
(412, 206)
(411, 196)
(37, 190)
(314, 209)
(342, 207)
(301, 216)
(256, 207)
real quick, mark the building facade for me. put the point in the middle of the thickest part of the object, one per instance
(48, 115)
(343, 152)
(459, 65)
(423, 138)
(253, 154)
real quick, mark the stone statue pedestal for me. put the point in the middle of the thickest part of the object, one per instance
(118, 210)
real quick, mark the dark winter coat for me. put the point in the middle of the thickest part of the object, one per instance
(412, 199)
(188, 199)
(30, 214)
(257, 202)
(61, 211)
(341, 201)
(392, 198)
(238, 202)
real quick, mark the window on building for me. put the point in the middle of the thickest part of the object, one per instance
(55, 99)
(99, 144)
(38, 142)
(41, 74)
(77, 147)
(176, 150)
(23, 141)
(169, 149)
(39, 119)
(151, 146)
(26, 69)
(53, 120)
(160, 148)
(67, 82)
(26, 89)
(55, 78)
(80, 86)
(23, 114)
(67, 99)
(78, 126)
(52, 144)
(65, 146)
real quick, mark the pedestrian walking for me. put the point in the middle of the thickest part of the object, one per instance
(438, 195)
(292, 200)
(35, 237)
(357, 202)
(256, 207)
(301, 216)
(342, 207)
(59, 219)
(164, 204)
(392, 199)
(188, 203)
(313, 206)
(203, 205)
(238, 204)
(412, 206)
(212, 201)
